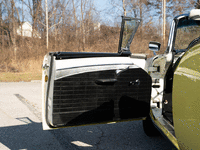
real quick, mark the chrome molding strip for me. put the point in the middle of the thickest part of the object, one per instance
(94, 66)
(73, 71)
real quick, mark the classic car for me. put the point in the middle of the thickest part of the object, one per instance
(82, 88)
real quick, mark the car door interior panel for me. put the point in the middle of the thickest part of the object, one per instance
(100, 96)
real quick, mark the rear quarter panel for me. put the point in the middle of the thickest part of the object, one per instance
(186, 100)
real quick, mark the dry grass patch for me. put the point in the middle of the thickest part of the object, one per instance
(16, 77)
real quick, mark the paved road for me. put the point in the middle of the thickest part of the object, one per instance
(21, 128)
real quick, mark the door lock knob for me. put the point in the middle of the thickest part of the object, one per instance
(136, 82)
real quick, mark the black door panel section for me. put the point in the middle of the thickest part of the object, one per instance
(102, 96)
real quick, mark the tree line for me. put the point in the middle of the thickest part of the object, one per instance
(78, 25)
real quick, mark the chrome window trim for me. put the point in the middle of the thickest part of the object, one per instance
(171, 36)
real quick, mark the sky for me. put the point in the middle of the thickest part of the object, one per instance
(104, 6)
(105, 12)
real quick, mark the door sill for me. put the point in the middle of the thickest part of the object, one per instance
(157, 112)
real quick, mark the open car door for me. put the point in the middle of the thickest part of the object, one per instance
(92, 88)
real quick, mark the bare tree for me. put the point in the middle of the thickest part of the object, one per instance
(83, 3)
(133, 7)
(13, 22)
(36, 10)
(75, 20)
(1, 24)
(47, 25)
(196, 4)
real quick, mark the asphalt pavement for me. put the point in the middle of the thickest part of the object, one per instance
(21, 127)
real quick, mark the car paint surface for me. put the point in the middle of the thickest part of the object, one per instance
(186, 100)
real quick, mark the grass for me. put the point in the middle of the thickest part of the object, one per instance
(30, 54)
(22, 76)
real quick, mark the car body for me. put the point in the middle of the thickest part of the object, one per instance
(92, 88)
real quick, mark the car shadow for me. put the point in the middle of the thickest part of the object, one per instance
(31, 136)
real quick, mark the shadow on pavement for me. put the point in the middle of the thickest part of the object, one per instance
(32, 136)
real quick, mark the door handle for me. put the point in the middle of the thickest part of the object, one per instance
(106, 81)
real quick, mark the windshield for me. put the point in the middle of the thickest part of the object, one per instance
(188, 32)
